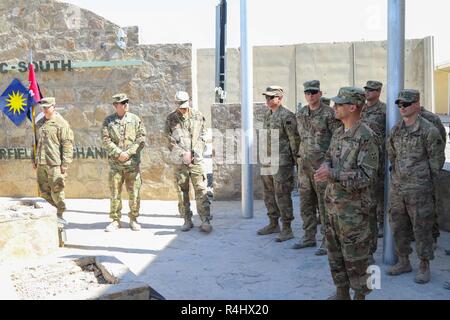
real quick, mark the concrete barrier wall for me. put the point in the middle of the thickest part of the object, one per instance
(334, 64)
(331, 64)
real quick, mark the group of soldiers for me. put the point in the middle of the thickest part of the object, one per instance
(340, 154)
(123, 136)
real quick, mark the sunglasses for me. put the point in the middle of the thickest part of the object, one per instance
(270, 97)
(311, 92)
(404, 104)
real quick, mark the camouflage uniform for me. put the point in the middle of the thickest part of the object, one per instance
(315, 128)
(124, 135)
(278, 179)
(353, 158)
(54, 149)
(278, 187)
(414, 153)
(325, 101)
(436, 121)
(188, 133)
(375, 118)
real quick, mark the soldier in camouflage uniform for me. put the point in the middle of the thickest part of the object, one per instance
(325, 101)
(350, 168)
(186, 132)
(123, 136)
(278, 179)
(414, 149)
(447, 284)
(54, 153)
(436, 121)
(374, 114)
(315, 123)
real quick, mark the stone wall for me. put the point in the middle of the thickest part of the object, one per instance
(59, 31)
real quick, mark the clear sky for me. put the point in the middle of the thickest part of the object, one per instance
(276, 22)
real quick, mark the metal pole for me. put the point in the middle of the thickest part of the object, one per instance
(217, 75)
(247, 115)
(396, 81)
(221, 39)
(223, 44)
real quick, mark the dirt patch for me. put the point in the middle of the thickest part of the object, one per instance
(64, 278)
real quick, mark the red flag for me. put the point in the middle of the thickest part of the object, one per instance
(34, 87)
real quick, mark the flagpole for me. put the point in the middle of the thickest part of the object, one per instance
(33, 122)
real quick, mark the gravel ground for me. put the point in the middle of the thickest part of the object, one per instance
(49, 281)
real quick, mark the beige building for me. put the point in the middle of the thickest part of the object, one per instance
(442, 85)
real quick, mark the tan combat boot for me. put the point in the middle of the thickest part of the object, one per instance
(322, 250)
(188, 225)
(308, 241)
(113, 226)
(447, 285)
(286, 233)
(342, 293)
(206, 226)
(403, 266)
(134, 225)
(424, 274)
(272, 227)
(359, 296)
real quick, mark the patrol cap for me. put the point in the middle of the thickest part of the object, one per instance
(274, 91)
(350, 95)
(325, 101)
(183, 98)
(408, 95)
(120, 97)
(373, 85)
(312, 85)
(47, 102)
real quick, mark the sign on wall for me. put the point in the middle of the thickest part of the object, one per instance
(80, 153)
(64, 65)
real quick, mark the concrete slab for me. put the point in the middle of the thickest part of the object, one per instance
(25, 231)
(230, 263)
